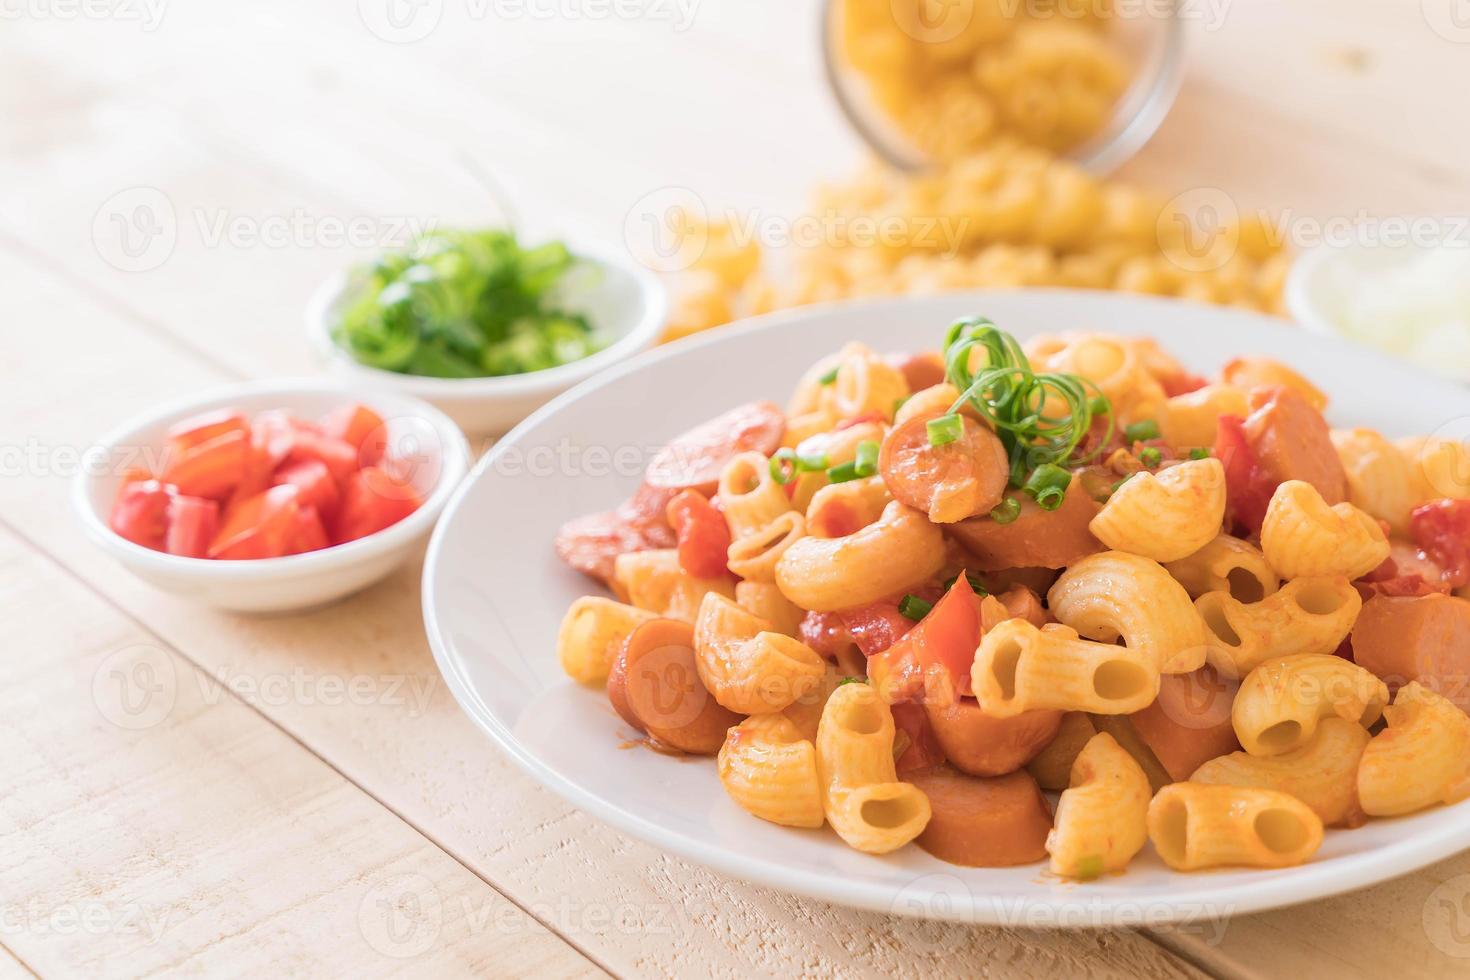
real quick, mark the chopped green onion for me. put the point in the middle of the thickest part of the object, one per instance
(945, 430)
(1123, 481)
(1090, 867)
(828, 378)
(843, 473)
(995, 378)
(852, 680)
(783, 466)
(1006, 511)
(1150, 456)
(866, 463)
(1048, 486)
(1100, 406)
(912, 607)
(787, 463)
(899, 403)
(976, 586)
(1141, 431)
(1199, 453)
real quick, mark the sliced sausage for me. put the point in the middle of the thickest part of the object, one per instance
(977, 744)
(592, 544)
(922, 369)
(1190, 722)
(617, 687)
(951, 482)
(693, 461)
(1422, 638)
(1292, 442)
(663, 691)
(1037, 538)
(983, 823)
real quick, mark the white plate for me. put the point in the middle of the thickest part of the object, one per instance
(494, 594)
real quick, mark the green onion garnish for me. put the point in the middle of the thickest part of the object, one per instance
(1123, 481)
(976, 586)
(866, 463)
(1014, 399)
(945, 430)
(843, 473)
(1141, 431)
(783, 466)
(1048, 486)
(787, 463)
(912, 607)
(899, 402)
(852, 680)
(1150, 456)
(828, 378)
(1199, 452)
(1006, 511)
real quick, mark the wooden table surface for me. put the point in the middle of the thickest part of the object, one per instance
(194, 792)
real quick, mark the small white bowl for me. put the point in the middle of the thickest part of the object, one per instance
(296, 581)
(1324, 291)
(628, 304)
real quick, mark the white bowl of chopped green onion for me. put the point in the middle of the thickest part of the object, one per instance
(482, 327)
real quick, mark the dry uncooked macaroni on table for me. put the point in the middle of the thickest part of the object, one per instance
(941, 577)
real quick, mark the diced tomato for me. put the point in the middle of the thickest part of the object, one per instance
(259, 527)
(307, 532)
(361, 428)
(1442, 529)
(1248, 488)
(212, 468)
(339, 457)
(875, 627)
(1182, 383)
(311, 477)
(943, 642)
(704, 536)
(200, 429)
(140, 512)
(825, 633)
(922, 750)
(192, 524)
(271, 437)
(371, 500)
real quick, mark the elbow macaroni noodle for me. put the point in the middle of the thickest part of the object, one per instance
(861, 795)
(898, 552)
(1420, 760)
(1114, 594)
(1195, 827)
(1020, 668)
(1102, 818)
(1229, 565)
(746, 666)
(1380, 480)
(1307, 616)
(1280, 704)
(750, 499)
(771, 771)
(1165, 516)
(1303, 536)
(1322, 773)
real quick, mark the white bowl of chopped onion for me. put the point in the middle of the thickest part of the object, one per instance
(1406, 299)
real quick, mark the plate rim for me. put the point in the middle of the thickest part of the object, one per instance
(1325, 879)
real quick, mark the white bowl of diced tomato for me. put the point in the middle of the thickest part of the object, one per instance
(271, 496)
